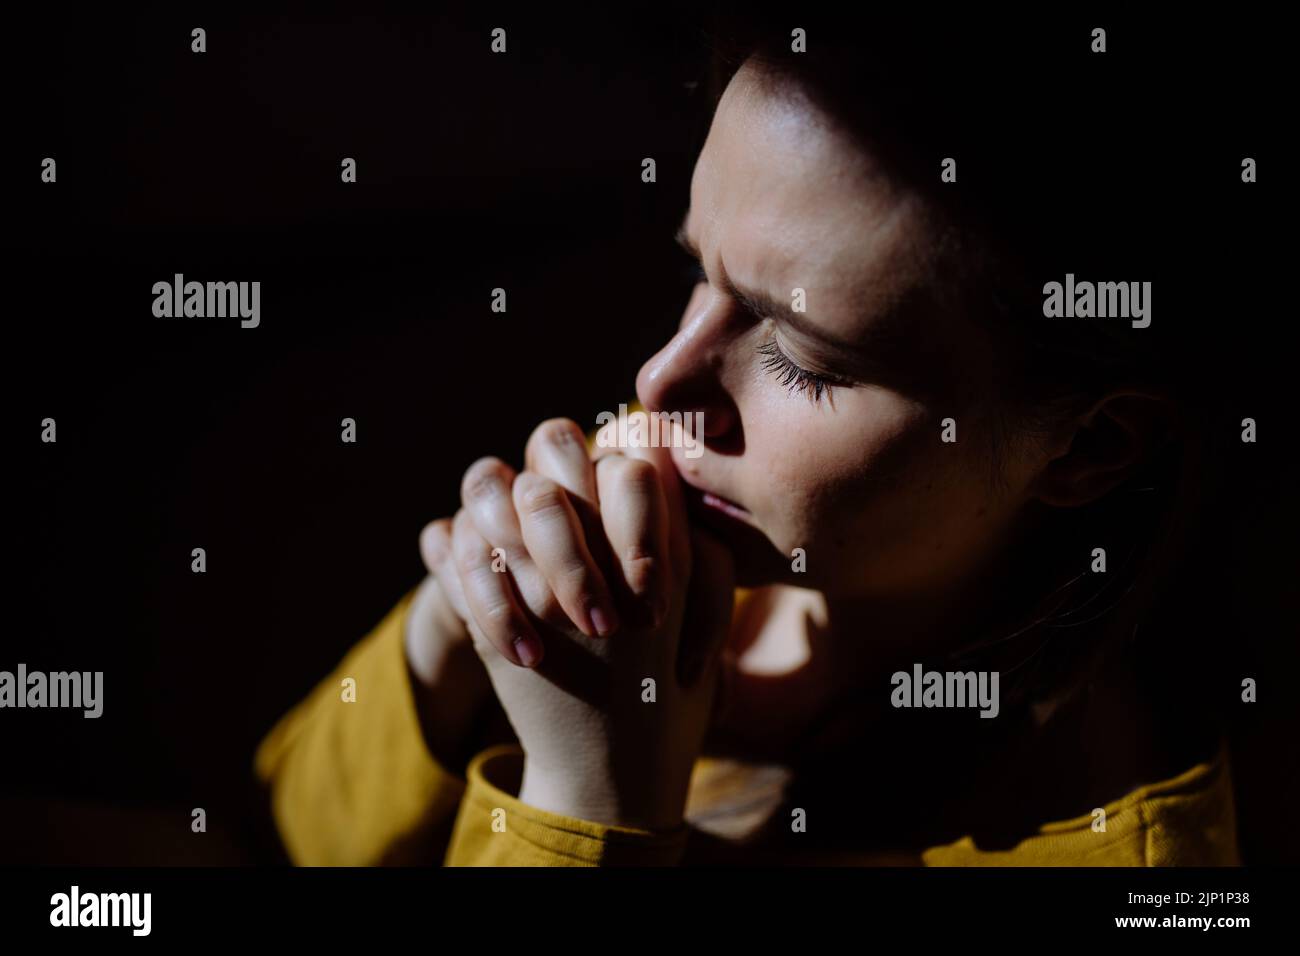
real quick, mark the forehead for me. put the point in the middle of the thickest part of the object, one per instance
(789, 201)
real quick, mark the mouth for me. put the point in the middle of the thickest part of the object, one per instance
(737, 528)
(705, 504)
(730, 508)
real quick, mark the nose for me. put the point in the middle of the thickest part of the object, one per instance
(687, 375)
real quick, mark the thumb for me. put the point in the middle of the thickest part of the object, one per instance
(710, 597)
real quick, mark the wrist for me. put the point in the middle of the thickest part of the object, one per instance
(595, 798)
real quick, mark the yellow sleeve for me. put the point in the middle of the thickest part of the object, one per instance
(352, 783)
(494, 828)
(1188, 820)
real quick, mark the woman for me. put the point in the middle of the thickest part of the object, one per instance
(907, 467)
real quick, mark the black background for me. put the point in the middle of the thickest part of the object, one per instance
(475, 171)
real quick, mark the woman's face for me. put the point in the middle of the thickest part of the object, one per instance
(857, 476)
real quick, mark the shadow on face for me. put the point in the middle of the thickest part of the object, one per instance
(842, 400)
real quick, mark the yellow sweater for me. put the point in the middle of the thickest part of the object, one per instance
(353, 783)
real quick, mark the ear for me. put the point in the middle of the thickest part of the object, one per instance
(1104, 446)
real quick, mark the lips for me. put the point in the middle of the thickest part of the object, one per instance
(726, 507)
(709, 501)
(757, 562)
(719, 514)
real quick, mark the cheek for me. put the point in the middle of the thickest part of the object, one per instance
(872, 494)
(822, 471)
(923, 521)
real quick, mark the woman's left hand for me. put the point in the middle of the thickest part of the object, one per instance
(611, 726)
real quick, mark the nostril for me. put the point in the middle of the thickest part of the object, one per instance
(715, 424)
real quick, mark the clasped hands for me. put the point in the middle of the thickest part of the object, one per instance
(600, 615)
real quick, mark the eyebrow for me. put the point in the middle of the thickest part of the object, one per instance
(758, 302)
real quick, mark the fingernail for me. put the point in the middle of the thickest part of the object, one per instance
(529, 650)
(604, 621)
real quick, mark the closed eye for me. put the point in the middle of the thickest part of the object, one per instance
(788, 372)
(794, 377)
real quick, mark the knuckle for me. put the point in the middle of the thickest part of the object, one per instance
(469, 557)
(498, 615)
(433, 541)
(640, 568)
(541, 498)
(637, 476)
(560, 432)
(484, 478)
(610, 464)
(577, 582)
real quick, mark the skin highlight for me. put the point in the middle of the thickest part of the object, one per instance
(910, 540)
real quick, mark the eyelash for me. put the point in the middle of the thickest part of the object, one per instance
(793, 377)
